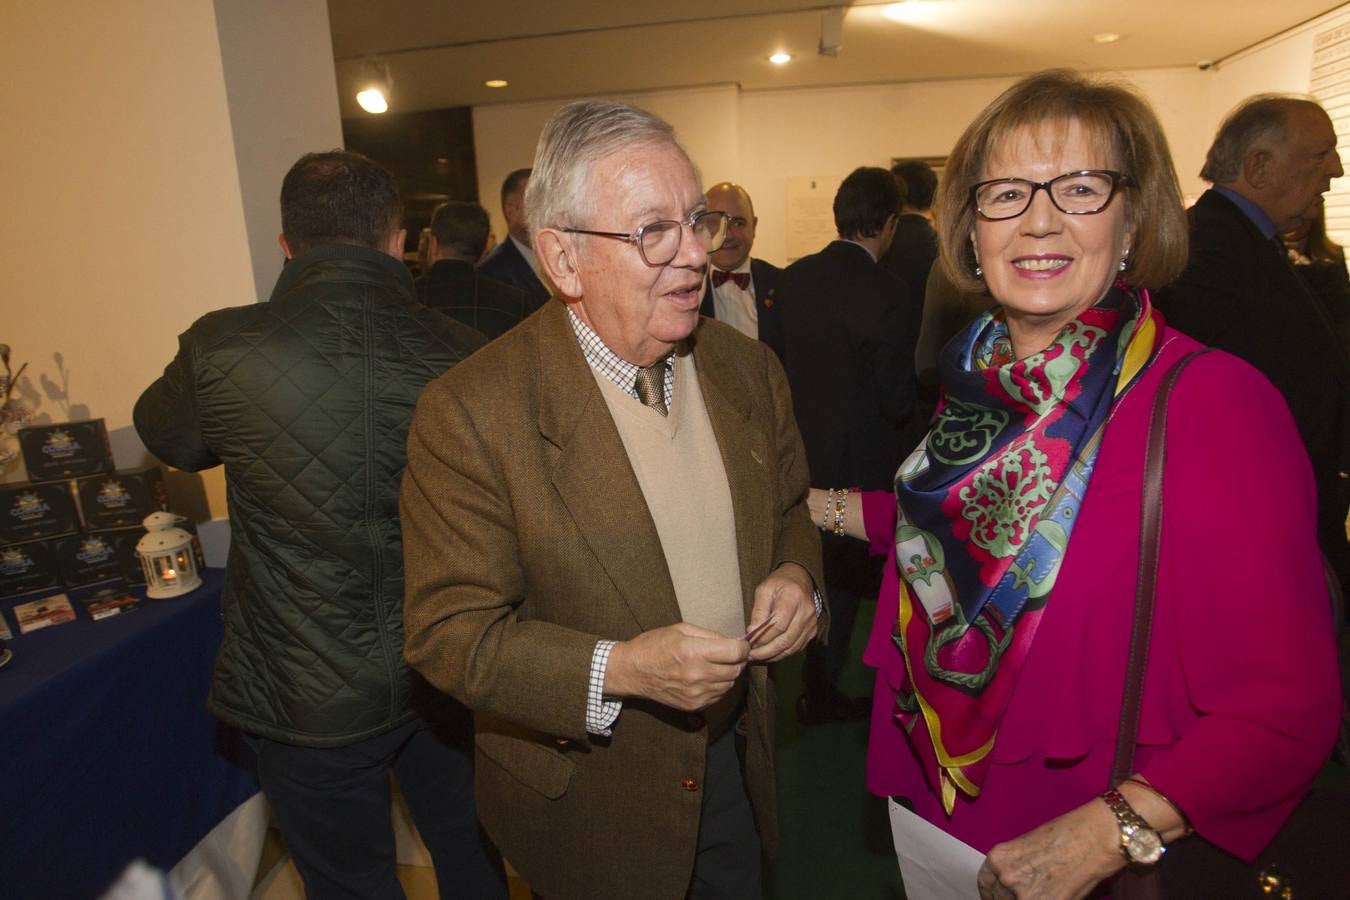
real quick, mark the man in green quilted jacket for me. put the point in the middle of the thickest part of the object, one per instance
(305, 400)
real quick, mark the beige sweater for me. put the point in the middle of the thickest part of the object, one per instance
(679, 468)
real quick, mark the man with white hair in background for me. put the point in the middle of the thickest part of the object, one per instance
(1272, 160)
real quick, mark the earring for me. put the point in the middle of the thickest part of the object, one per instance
(1124, 260)
(979, 270)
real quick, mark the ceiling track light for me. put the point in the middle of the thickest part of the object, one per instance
(375, 87)
(831, 31)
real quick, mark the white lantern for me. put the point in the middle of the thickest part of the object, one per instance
(167, 556)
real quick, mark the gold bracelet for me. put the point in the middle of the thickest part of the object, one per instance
(1187, 830)
(839, 502)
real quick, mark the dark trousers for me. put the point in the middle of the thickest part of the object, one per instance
(823, 664)
(727, 862)
(333, 805)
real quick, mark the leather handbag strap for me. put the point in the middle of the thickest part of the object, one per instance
(1150, 541)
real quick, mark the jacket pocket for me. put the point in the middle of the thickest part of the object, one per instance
(535, 765)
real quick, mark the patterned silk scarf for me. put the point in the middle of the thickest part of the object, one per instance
(987, 505)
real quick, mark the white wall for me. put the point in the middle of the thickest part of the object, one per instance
(283, 102)
(761, 139)
(126, 212)
(124, 217)
(504, 136)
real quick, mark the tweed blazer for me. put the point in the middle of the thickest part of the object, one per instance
(527, 540)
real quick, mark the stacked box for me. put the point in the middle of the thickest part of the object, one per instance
(121, 499)
(84, 559)
(31, 511)
(28, 567)
(66, 450)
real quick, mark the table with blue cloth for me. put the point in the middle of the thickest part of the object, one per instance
(109, 754)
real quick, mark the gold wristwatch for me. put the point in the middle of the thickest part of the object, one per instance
(1140, 844)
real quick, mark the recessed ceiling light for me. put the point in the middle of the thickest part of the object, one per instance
(1105, 37)
(496, 83)
(780, 58)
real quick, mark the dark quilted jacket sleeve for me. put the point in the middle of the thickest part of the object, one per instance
(166, 415)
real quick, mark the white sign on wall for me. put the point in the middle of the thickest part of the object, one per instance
(1330, 84)
(810, 214)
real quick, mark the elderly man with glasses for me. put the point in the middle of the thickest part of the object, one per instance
(607, 539)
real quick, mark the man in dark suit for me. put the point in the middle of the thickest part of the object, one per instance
(512, 261)
(597, 514)
(740, 289)
(848, 333)
(911, 257)
(1270, 163)
(459, 233)
(915, 247)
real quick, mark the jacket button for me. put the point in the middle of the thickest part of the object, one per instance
(689, 784)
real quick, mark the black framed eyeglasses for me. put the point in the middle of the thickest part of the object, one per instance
(659, 242)
(1080, 193)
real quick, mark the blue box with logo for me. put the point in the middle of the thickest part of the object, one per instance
(121, 499)
(28, 567)
(84, 559)
(65, 450)
(31, 511)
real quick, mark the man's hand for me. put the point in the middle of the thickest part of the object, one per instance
(785, 596)
(681, 666)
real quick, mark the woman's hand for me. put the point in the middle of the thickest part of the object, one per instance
(822, 512)
(1064, 858)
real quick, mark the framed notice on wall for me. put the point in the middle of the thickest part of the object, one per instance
(810, 214)
(1330, 84)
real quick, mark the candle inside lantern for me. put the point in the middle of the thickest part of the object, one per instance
(166, 569)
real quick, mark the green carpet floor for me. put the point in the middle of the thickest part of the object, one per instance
(836, 837)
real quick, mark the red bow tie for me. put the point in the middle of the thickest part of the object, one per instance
(742, 279)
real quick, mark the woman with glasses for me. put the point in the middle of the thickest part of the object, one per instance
(1004, 622)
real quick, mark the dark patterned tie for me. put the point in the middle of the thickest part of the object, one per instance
(651, 386)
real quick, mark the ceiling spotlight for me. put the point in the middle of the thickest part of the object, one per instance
(374, 88)
(780, 58)
(496, 83)
(1105, 37)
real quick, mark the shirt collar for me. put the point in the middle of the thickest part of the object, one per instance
(524, 249)
(864, 246)
(611, 365)
(1250, 210)
(743, 267)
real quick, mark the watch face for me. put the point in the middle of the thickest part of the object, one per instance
(1145, 846)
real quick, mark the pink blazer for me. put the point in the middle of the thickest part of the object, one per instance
(1242, 694)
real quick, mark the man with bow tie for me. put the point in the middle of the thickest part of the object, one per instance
(740, 289)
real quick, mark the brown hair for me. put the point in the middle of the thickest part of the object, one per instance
(1115, 116)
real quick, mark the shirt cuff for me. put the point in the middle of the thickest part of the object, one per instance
(601, 713)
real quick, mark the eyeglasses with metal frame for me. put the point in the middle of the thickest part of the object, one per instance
(659, 242)
(1082, 193)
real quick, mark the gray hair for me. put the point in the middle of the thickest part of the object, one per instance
(580, 133)
(1258, 123)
